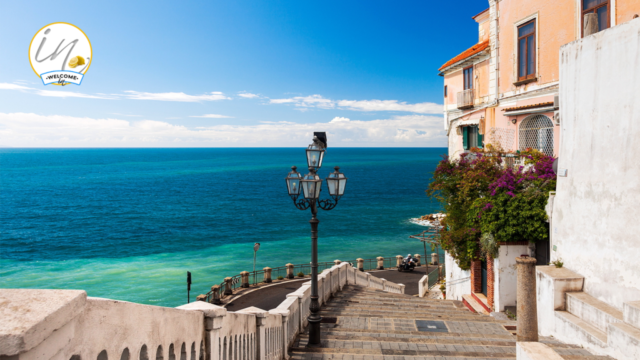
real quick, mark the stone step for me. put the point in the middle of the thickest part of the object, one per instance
(595, 312)
(572, 326)
(364, 301)
(390, 310)
(332, 356)
(409, 351)
(631, 313)
(376, 297)
(482, 300)
(474, 306)
(452, 340)
(625, 339)
(370, 314)
(403, 334)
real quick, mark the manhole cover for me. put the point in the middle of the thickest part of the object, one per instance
(431, 326)
(329, 320)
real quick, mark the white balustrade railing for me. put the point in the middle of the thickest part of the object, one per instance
(66, 325)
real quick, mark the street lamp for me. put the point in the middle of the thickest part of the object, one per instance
(311, 185)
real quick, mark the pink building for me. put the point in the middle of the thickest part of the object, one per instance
(502, 89)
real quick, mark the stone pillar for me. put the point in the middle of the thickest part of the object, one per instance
(418, 259)
(201, 297)
(384, 284)
(215, 297)
(337, 262)
(267, 275)
(212, 325)
(401, 288)
(245, 279)
(490, 283)
(398, 260)
(435, 259)
(228, 287)
(285, 336)
(289, 271)
(476, 276)
(360, 264)
(526, 294)
(261, 343)
(380, 262)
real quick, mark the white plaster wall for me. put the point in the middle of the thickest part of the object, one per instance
(506, 275)
(595, 225)
(458, 281)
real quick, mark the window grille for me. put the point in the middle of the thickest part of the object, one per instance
(536, 132)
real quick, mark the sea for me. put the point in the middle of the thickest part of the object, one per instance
(128, 224)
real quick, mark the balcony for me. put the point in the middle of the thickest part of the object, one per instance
(465, 99)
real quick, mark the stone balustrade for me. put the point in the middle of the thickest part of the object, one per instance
(66, 324)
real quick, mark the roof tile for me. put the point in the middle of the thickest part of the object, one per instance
(467, 53)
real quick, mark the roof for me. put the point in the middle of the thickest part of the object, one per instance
(482, 12)
(475, 49)
(532, 106)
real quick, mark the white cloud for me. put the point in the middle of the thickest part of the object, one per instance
(213, 116)
(174, 96)
(32, 130)
(391, 105)
(339, 119)
(248, 95)
(318, 101)
(65, 94)
(7, 86)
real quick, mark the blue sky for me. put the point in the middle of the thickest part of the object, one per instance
(264, 73)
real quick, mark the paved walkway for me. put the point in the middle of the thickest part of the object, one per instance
(361, 324)
(270, 296)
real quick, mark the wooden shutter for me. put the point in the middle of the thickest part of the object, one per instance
(465, 138)
(480, 138)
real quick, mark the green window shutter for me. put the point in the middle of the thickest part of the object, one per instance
(465, 138)
(480, 139)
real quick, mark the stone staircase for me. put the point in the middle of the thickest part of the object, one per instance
(363, 323)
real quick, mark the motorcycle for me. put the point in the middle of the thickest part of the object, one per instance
(407, 267)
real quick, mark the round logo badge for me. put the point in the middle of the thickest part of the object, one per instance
(60, 54)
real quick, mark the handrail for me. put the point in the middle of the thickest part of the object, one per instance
(257, 277)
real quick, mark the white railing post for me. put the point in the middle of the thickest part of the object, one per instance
(401, 288)
(285, 331)
(384, 284)
(261, 345)
(368, 280)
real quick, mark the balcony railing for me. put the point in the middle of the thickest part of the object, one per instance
(465, 99)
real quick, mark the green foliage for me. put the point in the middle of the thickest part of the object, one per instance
(481, 196)
(280, 277)
(488, 245)
(558, 263)
(300, 274)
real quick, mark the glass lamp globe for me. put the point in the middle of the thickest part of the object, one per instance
(336, 182)
(315, 155)
(311, 184)
(293, 181)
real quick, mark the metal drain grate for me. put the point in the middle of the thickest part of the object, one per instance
(329, 320)
(431, 326)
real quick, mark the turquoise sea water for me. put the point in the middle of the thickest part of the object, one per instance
(127, 224)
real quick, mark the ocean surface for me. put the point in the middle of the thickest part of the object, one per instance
(128, 224)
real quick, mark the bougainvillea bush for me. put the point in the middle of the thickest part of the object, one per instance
(482, 196)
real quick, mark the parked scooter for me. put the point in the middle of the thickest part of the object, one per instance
(407, 264)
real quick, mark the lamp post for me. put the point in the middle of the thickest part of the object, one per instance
(256, 246)
(311, 185)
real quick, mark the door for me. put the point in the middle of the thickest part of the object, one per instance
(484, 278)
(543, 252)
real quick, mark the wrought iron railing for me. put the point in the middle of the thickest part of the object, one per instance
(465, 99)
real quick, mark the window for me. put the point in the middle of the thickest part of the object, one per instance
(471, 137)
(468, 78)
(536, 132)
(445, 91)
(599, 7)
(527, 51)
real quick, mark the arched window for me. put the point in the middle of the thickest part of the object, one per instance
(536, 132)
(125, 354)
(103, 355)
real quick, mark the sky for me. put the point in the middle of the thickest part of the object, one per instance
(237, 73)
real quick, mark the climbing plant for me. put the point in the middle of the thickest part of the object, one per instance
(483, 199)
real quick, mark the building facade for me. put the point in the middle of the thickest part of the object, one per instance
(503, 90)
